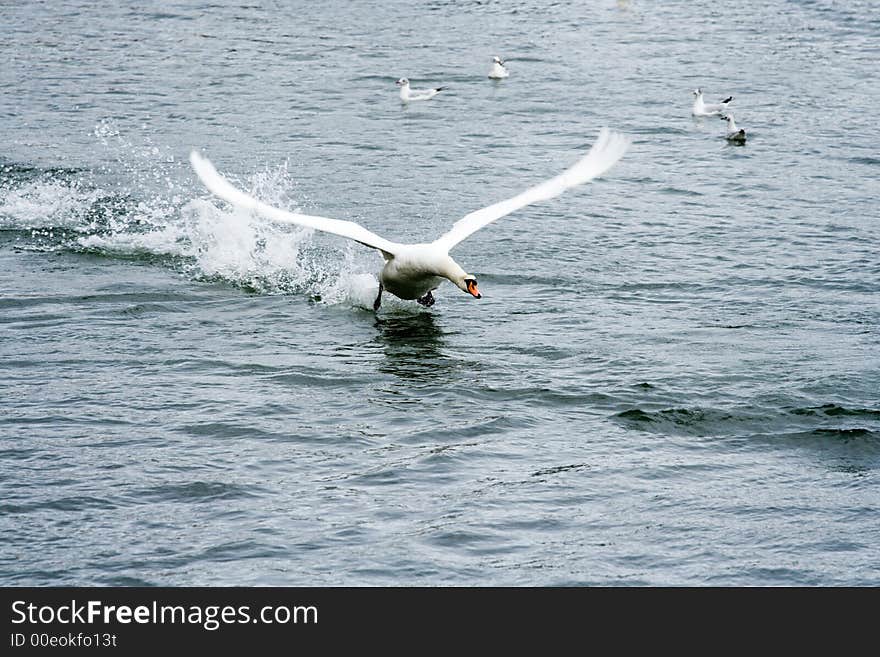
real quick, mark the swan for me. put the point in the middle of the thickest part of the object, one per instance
(407, 93)
(734, 134)
(708, 109)
(414, 271)
(498, 72)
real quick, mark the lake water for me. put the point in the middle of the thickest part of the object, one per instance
(673, 377)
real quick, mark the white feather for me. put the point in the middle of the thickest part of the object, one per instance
(608, 149)
(222, 188)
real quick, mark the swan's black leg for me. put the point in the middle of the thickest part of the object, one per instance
(378, 301)
(427, 301)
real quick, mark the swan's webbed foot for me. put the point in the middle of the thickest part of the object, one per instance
(427, 301)
(378, 301)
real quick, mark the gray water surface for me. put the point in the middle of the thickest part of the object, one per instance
(672, 377)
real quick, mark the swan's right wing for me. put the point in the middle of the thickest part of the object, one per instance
(608, 149)
(225, 190)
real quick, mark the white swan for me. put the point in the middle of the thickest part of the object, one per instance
(407, 93)
(413, 271)
(734, 134)
(708, 109)
(498, 72)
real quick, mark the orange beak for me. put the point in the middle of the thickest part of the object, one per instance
(472, 288)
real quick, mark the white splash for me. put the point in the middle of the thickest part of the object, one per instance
(160, 212)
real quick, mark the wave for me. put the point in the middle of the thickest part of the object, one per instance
(829, 421)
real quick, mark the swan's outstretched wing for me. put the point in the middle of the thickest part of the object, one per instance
(608, 149)
(224, 189)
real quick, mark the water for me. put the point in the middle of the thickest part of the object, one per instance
(672, 377)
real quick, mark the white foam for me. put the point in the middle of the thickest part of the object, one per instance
(46, 204)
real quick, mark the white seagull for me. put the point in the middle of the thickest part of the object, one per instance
(407, 93)
(734, 134)
(413, 271)
(498, 71)
(708, 109)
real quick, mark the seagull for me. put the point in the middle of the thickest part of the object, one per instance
(734, 134)
(414, 271)
(407, 94)
(498, 71)
(712, 109)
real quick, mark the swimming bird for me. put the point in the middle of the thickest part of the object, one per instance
(498, 71)
(708, 109)
(414, 271)
(407, 93)
(734, 134)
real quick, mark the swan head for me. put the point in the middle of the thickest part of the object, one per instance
(402, 82)
(497, 60)
(452, 271)
(468, 283)
(697, 93)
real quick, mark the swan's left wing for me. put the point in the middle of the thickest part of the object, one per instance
(608, 149)
(225, 190)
